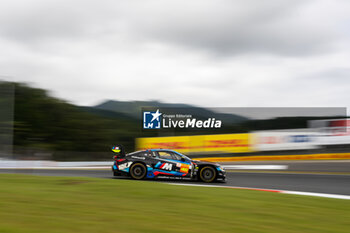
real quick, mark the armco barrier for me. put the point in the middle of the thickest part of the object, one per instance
(52, 164)
(279, 157)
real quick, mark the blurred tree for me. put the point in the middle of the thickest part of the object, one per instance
(45, 122)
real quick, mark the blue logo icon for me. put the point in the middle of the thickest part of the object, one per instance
(151, 120)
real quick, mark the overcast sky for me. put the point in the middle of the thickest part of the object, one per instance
(218, 53)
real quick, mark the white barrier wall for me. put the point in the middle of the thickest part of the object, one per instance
(274, 140)
(334, 138)
(333, 131)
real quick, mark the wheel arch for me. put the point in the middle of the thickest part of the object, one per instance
(200, 167)
(137, 161)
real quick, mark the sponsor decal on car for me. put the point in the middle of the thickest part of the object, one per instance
(124, 166)
(184, 168)
(166, 166)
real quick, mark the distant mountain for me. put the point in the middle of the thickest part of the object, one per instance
(106, 113)
(133, 109)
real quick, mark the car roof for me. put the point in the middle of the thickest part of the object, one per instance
(162, 150)
(146, 150)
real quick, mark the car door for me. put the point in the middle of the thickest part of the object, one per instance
(183, 166)
(165, 163)
(172, 164)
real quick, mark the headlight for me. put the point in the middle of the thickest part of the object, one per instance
(219, 168)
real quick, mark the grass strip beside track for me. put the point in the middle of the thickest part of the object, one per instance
(291, 172)
(61, 204)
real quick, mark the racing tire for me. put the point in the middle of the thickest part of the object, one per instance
(138, 171)
(207, 174)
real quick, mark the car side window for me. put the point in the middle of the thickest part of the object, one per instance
(176, 156)
(164, 155)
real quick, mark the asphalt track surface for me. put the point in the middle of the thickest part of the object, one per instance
(320, 183)
(326, 166)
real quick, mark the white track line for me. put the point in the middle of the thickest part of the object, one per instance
(256, 167)
(327, 195)
(337, 196)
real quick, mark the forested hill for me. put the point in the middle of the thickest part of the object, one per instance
(41, 121)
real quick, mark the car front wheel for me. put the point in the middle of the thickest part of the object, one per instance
(207, 174)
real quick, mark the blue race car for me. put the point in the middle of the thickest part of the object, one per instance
(161, 163)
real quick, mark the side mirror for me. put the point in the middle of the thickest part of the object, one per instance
(183, 159)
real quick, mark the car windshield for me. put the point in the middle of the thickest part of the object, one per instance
(182, 155)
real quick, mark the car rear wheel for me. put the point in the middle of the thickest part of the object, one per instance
(207, 174)
(138, 171)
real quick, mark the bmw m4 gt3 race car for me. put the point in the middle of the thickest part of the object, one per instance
(161, 163)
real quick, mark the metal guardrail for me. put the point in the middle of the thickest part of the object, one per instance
(52, 164)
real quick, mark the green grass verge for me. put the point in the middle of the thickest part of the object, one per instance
(60, 204)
